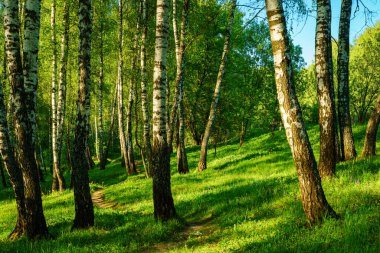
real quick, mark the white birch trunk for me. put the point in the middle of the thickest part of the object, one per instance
(162, 195)
(202, 164)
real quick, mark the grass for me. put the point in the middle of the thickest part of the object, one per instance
(247, 201)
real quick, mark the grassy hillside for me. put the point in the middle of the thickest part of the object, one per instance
(247, 201)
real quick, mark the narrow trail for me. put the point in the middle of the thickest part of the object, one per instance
(99, 201)
(201, 230)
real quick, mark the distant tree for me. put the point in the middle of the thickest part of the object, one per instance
(313, 198)
(144, 93)
(120, 79)
(182, 164)
(369, 148)
(365, 72)
(162, 195)
(100, 142)
(346, 137)
(202, 164)
(325, 87)
(131, 100)
(58, 108)
(110, 130)
(173, 112)
(84, 211)
(61, 107)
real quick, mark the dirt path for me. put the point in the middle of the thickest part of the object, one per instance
(199, 229)
(99, 201)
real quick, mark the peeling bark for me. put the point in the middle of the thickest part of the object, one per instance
(202, 164)
(313, 198)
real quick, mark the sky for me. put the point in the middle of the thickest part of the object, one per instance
(303, 33)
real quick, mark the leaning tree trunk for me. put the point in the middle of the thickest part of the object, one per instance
(120, 109)
(144, 93)
(313, 198)
(369, 148)
(325, 87)
(24, 104)
(182, 164)
(202, 164)
(162, 195)
(13, 170)
(345, 128)
(84, 211)
(101, 84)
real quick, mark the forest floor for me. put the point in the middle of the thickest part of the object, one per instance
(247, 200)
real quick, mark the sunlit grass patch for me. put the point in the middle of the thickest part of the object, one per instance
(247, 200)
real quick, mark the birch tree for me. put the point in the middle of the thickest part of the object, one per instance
(369, 148)
(162, 195)
(110, 130)
(13, 170)
(144, 93)
(55, 186)
(202, 164)
(120, 109)
(313, 198)
(61, 107)
(84, 211)
(346, 137)
(325, 87)
(58, 179)
(131, 160)
(100, 87)
(182, 164)
(173, 112)
(24, 93)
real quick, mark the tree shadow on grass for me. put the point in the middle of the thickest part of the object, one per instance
(359, 166)
(248, 162)
(235, 197)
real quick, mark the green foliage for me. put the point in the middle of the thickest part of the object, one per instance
(247, 201)
(365, 72)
